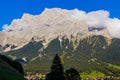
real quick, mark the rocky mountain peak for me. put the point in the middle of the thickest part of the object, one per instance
(47, 26)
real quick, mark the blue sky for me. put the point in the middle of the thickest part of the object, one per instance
(12, 9)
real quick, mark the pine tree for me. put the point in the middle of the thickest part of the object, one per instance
(56, 72)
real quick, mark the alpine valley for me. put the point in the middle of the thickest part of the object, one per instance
(34, 41)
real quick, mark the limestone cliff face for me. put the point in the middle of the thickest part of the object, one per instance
(50, 24)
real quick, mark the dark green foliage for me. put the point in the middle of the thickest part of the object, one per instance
(7, 71)
(53, 47)
(56, 72)
(91, 45)
(67, 45)
(56, 46)
(57, 65)
(112, 53)
(30, 50)
(72, 74)
(9, 74)
(14, 64)
(18, 67)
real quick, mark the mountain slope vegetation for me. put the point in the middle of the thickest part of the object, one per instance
(87, 54)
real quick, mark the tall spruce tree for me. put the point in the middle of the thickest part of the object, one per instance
(56, 72)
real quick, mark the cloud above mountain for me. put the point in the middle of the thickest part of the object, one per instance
(99, 19)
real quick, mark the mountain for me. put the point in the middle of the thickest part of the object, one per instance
(80, 44)
(47, 26)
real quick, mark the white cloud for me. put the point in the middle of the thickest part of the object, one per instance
(113, 26)
(99, 18)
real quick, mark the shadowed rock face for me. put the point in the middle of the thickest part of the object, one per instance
(94, 28)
